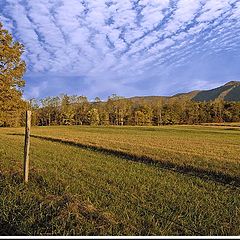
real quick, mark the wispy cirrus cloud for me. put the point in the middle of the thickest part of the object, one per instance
(116, 46)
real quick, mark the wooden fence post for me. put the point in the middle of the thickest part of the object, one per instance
(27, 146)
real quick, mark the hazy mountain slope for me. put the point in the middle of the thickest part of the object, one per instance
(148, 98)
(212, 94)
(185, 96)
(233, 95)
(228, 92)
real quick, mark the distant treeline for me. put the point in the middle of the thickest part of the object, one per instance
(77, 110)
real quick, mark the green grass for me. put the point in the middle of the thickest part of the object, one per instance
(89, 189)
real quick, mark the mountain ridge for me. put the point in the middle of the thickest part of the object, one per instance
(230, 91)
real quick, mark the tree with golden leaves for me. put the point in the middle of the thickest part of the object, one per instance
(12, 68)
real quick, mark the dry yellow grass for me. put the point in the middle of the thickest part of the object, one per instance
(202, 147)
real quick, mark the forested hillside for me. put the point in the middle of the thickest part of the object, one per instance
(229, 92)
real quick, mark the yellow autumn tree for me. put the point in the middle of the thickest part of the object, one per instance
(12, 68)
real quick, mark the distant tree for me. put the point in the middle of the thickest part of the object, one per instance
(81, 108)
(217, 108)
(139, 118)
(157, 113)
(34, 106)
(231, 112)
(12, 68)
(118, 108)
(192, 112)
(104, 118)
(171, 114)
(97, 100)
(93, 117)
(67, 110)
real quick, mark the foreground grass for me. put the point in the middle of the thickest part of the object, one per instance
(75, 191)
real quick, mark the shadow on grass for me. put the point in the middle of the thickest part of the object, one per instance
(233, 129)
(9, 229)
(204, 174)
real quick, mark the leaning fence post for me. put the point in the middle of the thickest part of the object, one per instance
(27, 146)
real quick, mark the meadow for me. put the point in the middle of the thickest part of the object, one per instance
(85, 180)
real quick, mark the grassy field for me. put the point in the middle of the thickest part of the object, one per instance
(178, 180)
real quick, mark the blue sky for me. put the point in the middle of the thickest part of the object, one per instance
(127, 47)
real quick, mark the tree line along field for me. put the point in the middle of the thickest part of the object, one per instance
(77, 110)
(84, 180)
(150, 111)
